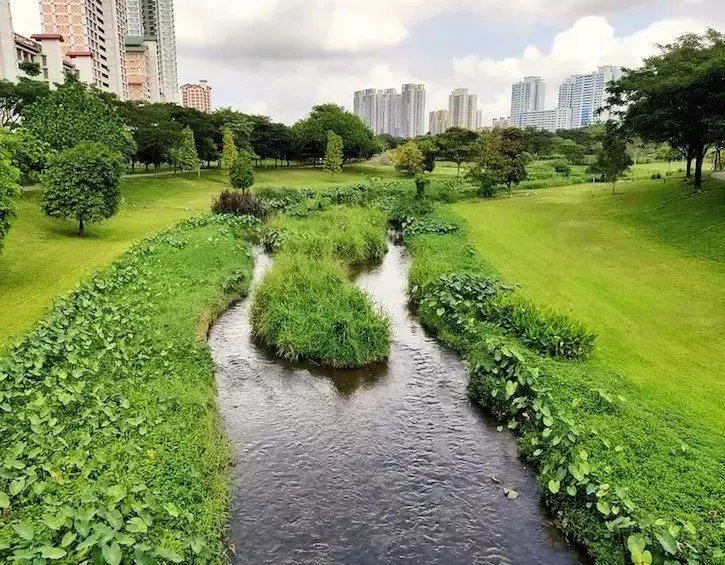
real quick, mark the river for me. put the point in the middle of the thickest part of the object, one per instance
(385, 465)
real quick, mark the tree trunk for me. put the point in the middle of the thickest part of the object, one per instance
(133, 166)
(81, 227)
(458, 174)
(689, 167)
(198, 172)
(698, 171)
(156, 170)
(614, 185)
(147, 167)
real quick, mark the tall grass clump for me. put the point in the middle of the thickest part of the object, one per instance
(307, 309)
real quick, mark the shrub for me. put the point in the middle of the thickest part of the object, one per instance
(421, 183)
(307, 309)
(82, 183)
(239, 204)
(561, 167)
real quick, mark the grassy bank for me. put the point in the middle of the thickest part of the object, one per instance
(306, 308)
(112, 448)
(614, 459)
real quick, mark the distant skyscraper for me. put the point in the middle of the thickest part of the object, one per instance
(366, 107)
(412, 110)
(529, 95)
(585, 94)
(153, 20)
(95, 29)
(462, 109)
(479, 120)
(197, 96)
(438, 121)
(388, 119)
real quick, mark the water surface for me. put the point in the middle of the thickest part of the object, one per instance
(385, 465)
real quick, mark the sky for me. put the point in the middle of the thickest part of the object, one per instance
(281, 57)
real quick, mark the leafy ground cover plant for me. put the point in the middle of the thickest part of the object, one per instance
(111, 447)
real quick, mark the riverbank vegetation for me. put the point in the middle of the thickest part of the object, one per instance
(627, 458)
(307, 308)
(112, 449)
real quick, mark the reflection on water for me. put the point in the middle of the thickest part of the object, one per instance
(390, 464)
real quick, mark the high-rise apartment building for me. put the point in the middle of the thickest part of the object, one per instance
(462, 109)
(550, 120)
(437, 121)
(197, 96)
(142, 70)
(584, 95)
(365, 106)
(412, 110)
(529, 95)
(153, 20)
(388, 119)
(95, 29)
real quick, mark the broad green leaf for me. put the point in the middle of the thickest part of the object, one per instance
(136, 526)
(668, 543)
(554, 486)
(112, 553)
(117, 493)
(168, 554)
(604, 508)
(52, 552)
(172, 509)
(4, 500)
(68, 539)
(571, 490)
(24, 530)
(17, 486)
(636, 543)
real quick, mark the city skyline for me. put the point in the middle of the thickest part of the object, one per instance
(294, 57)
(387, 111)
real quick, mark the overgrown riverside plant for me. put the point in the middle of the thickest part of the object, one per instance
(241, 172)
(306, 307)
(621, 484)
(9, 187)
(239, 203)
(82, 184)
(332, 161)
(111, 449)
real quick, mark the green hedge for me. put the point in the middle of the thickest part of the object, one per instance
(111, 445)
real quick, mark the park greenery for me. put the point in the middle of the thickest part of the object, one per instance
(112, 448)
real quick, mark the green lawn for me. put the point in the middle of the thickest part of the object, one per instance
(644, 267)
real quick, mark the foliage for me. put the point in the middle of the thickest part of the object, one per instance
(15, 98)
(613, 161)
(82, 183)
(307, 309)
(499, 159)
(154, 132)
(241, 173)
(421, 183)
(239, 204)
(428, 225)
(229, 150)
(29, 68)
(332, 162)
(429, 148)
(562, 167)
(74, 113)
(677, 96)
(9, 188)
(29, 155)
(456, 144)
(184, 156)
(408, 159)
(115, 375)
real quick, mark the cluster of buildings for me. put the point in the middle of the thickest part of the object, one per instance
(126, 47)
(580, 99)
(387, 111)
(462, 112)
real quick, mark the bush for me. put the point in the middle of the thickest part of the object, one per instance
(239, 204)
(307, 309)
(561, 167)
(82, 183)
(421, 183)
(405, 208)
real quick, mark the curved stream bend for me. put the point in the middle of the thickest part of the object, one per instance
(390, 465)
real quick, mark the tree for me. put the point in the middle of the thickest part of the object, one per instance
(499, 159)
(677, 96)
(569, 149)
(74, 113)
(29, 155)
(612, 160)
(154, 132)
(561, 167)
(408, 159)
(332, 162)
(83, 183)
(229, 149)
(456, 145)
(185, 157)
(9, 187)
(16, 98)
(241, 173)
(430, 150)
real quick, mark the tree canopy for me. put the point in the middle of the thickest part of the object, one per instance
(456, 145)
(408, 159)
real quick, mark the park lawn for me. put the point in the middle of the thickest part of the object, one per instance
(644, 267)
(44, 258)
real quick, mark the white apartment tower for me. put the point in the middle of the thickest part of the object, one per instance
(437, 122)
(529, 95)
(94, 30)
(153, 20)
(8, 58)
(388, 119)
(584, 95)
(462, 109)
(412, 110)
(366, 107)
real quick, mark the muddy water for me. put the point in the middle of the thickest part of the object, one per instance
(385, 465)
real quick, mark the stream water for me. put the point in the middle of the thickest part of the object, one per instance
(385, 465)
